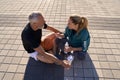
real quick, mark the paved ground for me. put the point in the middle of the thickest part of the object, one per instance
(103, 61)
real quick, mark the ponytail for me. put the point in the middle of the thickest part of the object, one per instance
(83, 24)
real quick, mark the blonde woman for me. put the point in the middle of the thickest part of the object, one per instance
(77, 35)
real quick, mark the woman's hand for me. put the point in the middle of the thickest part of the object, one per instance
(69, 49)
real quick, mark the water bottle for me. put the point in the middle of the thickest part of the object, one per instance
(67, 45)
(70, 58)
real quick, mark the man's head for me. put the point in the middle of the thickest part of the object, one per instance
(36, 20)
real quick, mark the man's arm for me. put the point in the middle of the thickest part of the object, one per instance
(53, 29)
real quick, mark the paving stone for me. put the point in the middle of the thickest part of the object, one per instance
(4, 67)
(99, 72)
(117, 41)
(4, 52)
(4, 41)
(1, 46)
(110, 58)
(8, 76)
(8, 59)
(113, 46)
(114, 65)
(24, 61)
(11, 53)
(102, 57)
(104, 40)
(97, 40)
(96, 64)
(19, 53)
(98, 45)
(107, 73)
(100, 51)
(117, 58)
(21, 68)
(92, 50)
(105, 45)
(20, 47)
(110, 79)
(1, 58)
(94, 57)
(18, 42)
(111, 40)
(104, 65)
(1, 76)
(25, 54)
(116, 73)
(12, 68)
(116, 51)
(16, 60)
(108, 51)
(14, 47)
(13, 37)
(18, 76)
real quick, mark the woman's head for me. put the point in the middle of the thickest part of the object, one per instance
(77, 23)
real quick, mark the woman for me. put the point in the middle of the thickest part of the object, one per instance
(78, 37)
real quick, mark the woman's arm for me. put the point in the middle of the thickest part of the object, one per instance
(73, 49)
(76, 49)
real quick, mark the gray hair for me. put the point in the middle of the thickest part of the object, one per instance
(34, 17)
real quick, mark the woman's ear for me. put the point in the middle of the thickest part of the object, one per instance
(77, 26)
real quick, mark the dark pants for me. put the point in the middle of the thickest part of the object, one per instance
(60, 45)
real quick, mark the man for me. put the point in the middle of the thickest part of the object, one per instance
(31, 38)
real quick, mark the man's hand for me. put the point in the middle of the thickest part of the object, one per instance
(66, 64)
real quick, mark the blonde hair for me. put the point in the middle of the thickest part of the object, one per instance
(81, 21)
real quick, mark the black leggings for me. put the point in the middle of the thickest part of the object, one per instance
(60, 45)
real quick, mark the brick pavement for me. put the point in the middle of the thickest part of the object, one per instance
(103, 61)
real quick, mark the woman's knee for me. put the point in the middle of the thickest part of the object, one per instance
(80, 55)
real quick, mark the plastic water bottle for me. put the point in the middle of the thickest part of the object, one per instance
(67, 44)
(70, 58)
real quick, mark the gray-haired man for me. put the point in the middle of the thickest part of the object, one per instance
(31, 38)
